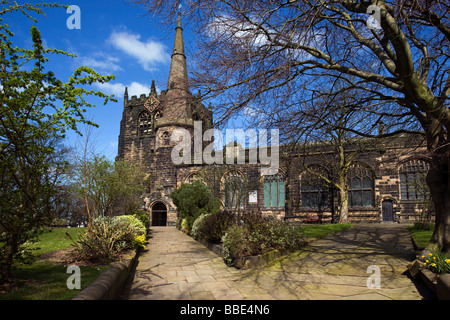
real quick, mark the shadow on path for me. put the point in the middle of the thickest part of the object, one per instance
(337, 267)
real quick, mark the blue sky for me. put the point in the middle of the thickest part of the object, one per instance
(115, 38)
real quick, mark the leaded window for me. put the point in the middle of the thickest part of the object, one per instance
(412, 180)
(145, 123)
(360, 187)
(234, 192)
(274, 191)
(314, 192)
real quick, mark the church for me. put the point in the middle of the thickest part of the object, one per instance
(386, 185)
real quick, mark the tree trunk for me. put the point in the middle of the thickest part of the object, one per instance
(343, 204)
(10, 250)
(342, 183)
(438, 180)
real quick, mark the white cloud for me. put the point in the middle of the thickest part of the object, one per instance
(102, 62)
(147, 53)
(118, 89)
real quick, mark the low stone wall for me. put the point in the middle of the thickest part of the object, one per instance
(258, 261)
(110, 283)
(247, 262)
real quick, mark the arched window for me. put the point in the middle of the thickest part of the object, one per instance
(274, 191)
(166, 138)
(192, 178)
(412, 180)
(360, 187)
(314, 191)
(145, 123)
(195, 117)
(234, 191)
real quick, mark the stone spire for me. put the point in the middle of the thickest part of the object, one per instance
(178, 97)
(178, 78)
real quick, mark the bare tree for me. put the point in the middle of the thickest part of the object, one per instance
(272, 55)
(325, 139)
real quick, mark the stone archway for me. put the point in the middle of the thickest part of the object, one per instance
(159, 214)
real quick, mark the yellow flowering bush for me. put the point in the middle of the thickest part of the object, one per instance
(437, 261)
(140, 241)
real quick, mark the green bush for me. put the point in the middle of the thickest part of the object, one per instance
(233, 244)
(193, 200)
(144, 216)
(109, 236)
(198, 227)
(255, 235)
(136, 224)
(212, 227)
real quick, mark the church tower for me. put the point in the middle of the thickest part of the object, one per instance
(147, 124)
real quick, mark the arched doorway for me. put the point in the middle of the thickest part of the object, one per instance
(159, 214)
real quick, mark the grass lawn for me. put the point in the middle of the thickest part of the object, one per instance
(45, 279)
(56, 239)
(421, 237)
(320, 230)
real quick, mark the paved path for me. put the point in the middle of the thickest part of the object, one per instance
(175, 266)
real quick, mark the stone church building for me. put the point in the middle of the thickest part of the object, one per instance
(385, 185)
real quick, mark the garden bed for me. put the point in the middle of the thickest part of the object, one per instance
(249, 261)
(259, 260)
(438, 284)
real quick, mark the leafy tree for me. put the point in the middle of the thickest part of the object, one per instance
(109, 185)
(37, 109)
(193, 200)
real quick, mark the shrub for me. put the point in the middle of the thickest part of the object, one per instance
(198, 227)
(212, 227)
(108, 236)
(193, 200)
(134, 223)
(185, 226)
(143, 216)
(140, 241)
(233, 246)
(255, 235)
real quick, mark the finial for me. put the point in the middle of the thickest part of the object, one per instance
(179, 20)
(153, 89)
(126, 92)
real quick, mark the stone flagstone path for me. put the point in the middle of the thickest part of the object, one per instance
(176, 267)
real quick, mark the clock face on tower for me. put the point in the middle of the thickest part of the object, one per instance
(152, 104)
